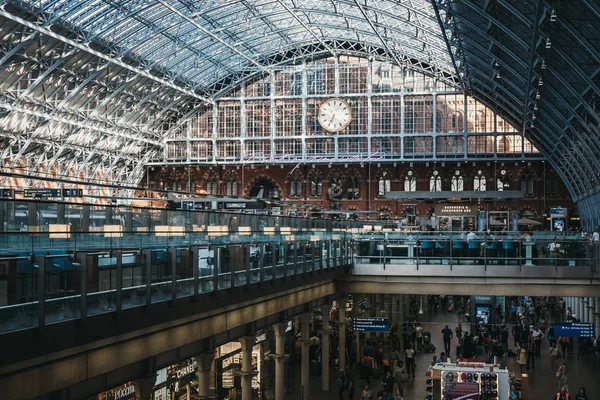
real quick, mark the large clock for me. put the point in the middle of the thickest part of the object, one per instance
(334, 115)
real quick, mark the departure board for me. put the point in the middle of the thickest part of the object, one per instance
(574, 329)
(374, 324)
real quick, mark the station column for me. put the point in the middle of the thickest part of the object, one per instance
(280, 359)
(204, 362)
(247, 342)
(342, 333)
(325, 348)
(305, 362)
(143, 387)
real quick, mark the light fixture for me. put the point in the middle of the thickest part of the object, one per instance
(541, 82)
(553, 16)
(548, 43)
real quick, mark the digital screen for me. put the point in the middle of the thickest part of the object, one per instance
(370, 324)
(559, 224)
(72, 192)
(462, 391)
(482, 316)
(572, 329)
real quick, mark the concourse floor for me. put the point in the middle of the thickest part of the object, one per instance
(541, 384)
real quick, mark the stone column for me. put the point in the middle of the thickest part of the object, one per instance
(247, 342)
(597, 316)
(204, 362)
(342, 333)
(279, 357)
(325, 331)
(305, 362)
(143, 387)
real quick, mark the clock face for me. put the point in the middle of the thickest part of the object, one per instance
(334, 115)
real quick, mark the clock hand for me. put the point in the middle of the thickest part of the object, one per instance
(332, 118)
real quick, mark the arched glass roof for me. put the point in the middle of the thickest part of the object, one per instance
(93, 80)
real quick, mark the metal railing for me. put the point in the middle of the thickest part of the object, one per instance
(51, 285)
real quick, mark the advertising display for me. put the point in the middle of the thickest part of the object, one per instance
(482, 315)
(558, 219)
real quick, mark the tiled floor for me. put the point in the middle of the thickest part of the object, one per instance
(540, 384)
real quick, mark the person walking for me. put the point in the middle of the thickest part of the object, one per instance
(351, 388)
(561, 374)
(388, 386)
(530, 353)
(367, 393)
(340, 385)
(410, 360)
(448, 335)
(538, 335)
(563, 394)
(553, 351)
(522, 357)
(419, 333)
(581, 395)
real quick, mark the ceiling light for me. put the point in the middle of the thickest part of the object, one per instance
(553, 16)
(548, 43)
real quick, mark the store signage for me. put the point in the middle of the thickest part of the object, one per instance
(125, 392)
(374, 324)
(470, 364)
(260, 338)
(184, 371)
(235, 205)
(267, 157)
(455, 209)
(572, 329)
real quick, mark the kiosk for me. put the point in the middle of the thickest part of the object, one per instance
(467, 380)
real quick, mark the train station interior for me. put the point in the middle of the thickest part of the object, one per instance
(299, 199)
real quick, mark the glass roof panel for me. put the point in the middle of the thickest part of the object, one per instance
(201, 40)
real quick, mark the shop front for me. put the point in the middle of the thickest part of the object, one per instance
(454, 217)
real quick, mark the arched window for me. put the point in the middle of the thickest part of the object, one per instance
(230, 182)
(410, 182)
(527, 183)
(211, 182)
(316, 183)
(502, 182)
(435, 182)
(458, 183)
(353, 185)
(295, 181)
(384, 183)
(479, 182)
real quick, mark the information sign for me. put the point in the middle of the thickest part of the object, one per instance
(374, 324)
(574, 329)
(41, 193)
(72, 192)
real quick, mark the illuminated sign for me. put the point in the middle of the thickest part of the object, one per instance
(572, 329)
(41, 192)
(235, 205)
(374, 324)
(455, 209)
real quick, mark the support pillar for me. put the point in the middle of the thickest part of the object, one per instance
(597, 315)
(591, 308)
(204, 362)
(143, 387)
(325, 331)
(247, 342)
(305, 362)
(342, 333)
(280, 359)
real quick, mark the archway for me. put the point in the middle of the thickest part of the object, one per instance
(272, 189)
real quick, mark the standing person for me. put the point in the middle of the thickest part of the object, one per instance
(388, 386)
(513, 312)
(530, 353)
(367, 393)
(581, 395)
(561, 374)
(522, 357)
(538, 335)
(447, 332)
(459, 333)
(400, 376)
(553, 351)
(340, 385)
(504, 339)
(516, 332)
(410, 360)
(563, 394)
(419, 333)
(351, 388)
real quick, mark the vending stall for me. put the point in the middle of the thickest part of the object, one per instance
(454, 217)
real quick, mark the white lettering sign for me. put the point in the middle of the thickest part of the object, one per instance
(124, 392)
(188, 369)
